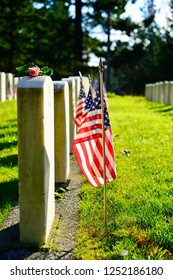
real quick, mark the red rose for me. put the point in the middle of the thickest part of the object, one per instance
(33, 71)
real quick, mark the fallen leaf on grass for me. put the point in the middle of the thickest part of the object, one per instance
(126, 152)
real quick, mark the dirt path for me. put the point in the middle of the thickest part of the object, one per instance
(63, 233)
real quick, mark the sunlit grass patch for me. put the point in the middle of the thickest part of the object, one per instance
(8, 158)
(140, 200)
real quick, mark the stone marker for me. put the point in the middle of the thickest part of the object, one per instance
(86, 84)
(62, 133)
(15, 83)
(151, 92)
(156, 96)
(77, 85)
(2, 86)
(9, 86)
(72, 104)
(171, 93)
(161, 92)
(166, 92)
(35, 108)
(147, 91)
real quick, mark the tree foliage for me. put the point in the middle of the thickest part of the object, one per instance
(46, 32)
(43, 34)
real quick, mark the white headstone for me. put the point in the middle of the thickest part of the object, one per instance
(62, 131)
(72, 104)
(171, 93)
(2, 86)
(35, 107)
(147, 91)
(77, 85)
(15, 83)
(150, 97)
(10, 86)
(166, 92)
(161, 92)
(156, 96)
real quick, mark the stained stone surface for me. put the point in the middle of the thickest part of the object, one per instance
(62, 131)
(35, 111)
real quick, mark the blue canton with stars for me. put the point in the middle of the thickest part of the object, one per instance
(96, 105)
(89, 100)
(81, 92)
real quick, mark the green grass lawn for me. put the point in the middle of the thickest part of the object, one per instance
(8, 158)
(139, 201)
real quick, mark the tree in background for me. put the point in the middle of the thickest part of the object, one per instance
(53, 37)
(44, 31)
(106, 14)
(15, 32)
(41, 33)
(78, 34)
(137, 60)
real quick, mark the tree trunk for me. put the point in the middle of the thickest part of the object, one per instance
(78, 32)
(108, 72)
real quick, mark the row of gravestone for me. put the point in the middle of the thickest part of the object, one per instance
(46, 129)
(161, 92)
(8, 86)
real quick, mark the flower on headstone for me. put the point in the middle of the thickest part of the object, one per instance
(33, 70)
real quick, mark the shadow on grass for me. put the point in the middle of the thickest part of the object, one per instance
(8, 134)
(9, 193)
(9, 161)
(162, 108)
(8, 145)
(9, 124)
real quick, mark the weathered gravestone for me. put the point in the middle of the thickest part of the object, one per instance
(77, 85)
(62, 131)
(86, 84)
(166, 92)
(171, 94)
(150, 96)
(72, 104)
(35, 108)
(156, 96)
(15, 83)
(9, 86)
(161, 92)
(2, 86)
(147, 91)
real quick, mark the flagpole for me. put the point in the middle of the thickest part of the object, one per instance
(81, 78)
(90, 81)
(101, 69)
(80, 75)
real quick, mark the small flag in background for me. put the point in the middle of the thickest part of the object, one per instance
(88, 147)
(88, 104)
(96, 86)
(80, 105)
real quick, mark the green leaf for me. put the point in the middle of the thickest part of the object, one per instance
(24, 68)
(58, 195)
(47, 71)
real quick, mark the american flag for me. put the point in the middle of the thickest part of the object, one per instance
(88, 104)
(88, 145)
(80, 105)
(96, 86)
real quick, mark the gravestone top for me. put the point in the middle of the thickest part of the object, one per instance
(33, 82)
